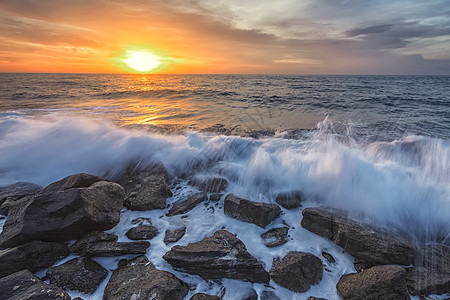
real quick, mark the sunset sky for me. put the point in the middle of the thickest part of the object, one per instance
(227, 36)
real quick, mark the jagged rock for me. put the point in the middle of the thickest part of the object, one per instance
(275, 237)
(79, 274)
(33, 256)
(138, 279)
(371, 245)
(328, 257)
(221, 255)
(12, 193)
(315, 298)
(269, 295)
(141, 221)
(290, 200)
(250, 294)
(210, 185)
(64, 215)
(385, 282)
(261, 214)
(79, 180)
(15, 205)
(90, 238)
(183, 206)
(146, 188)
(215, 197)
(201, 296)
(24, 285)
(115, 248)
(142, 232)
(174, 235)
(297, 271)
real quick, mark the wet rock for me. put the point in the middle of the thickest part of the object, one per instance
(138, 279)
(142, 232)
(10, 194)
(215, 197)
(174, 235)
(90, 238)
(380, 282)
(221, 255)
(269, 295)
(141, 221)
(366, 243)
(297, 271)
(64, 215)
(315, 298)
(275, 237)
(115, 248)
(261, 214)
(24, 285)
(328, 257)
(81, 180)
(34, 256)
(290, 200)
(183, 206)
(201, 296)
(146, 188)
(210, 185)
(79, 274)
(250, 295)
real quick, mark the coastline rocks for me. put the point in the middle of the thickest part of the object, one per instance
(35, 256)
(79, 180)
(297, 271)
(221, 255)
(14, 192)
(275, 237)
(210, 185)
(174, 235)
(290, 200)
(139, 279)
(145, 189)
(202, 296)
(115, 248)
(64, 214)
(79, 274)
(261, 214)
(142, 232)
(90, 238)
(380, 282)
(24, 285)
(366, 243)
(183, 206)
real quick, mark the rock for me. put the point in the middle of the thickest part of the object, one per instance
(250, 294)
(328, 257)
(215, 197)
(290, 200)
(142, 232)
(385, 282)
(90, 238)
(24, 285)
(138, 279)
(297, 271)
(141, 221)
(146, 188)
(11, 193)
(269, 295)
(33, 256)
(261, 214)
(183, 206)
(221, 255)
(371, 245)
(15, 205)
(80, 180)
(201, 296)
(275, 237)
(64, 215)
(315, 298)
(174, 235)
(210, 185)
(79, 274)
(115, 248)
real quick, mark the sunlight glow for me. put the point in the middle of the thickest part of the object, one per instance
(141, 61)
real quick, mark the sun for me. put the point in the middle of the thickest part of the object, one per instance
(141, 61)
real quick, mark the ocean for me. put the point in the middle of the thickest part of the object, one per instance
(376, 146)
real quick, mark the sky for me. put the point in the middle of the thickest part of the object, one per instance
(227, 36)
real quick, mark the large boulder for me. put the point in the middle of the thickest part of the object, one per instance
(91, 238)
(221, 255)
(142, 232)
(79, 180)
(64, 215)
(34, 256)
(183, 206)
(138, 279)
(145, 188)
(261, 214)
(79, 274)
(24, 285)
(290, 200)
(385, 282)
(275, 237)
(297, 271)
(366, 243)
(105, 249)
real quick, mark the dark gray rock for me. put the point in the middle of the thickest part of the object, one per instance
(81, 180)
(328, 257)
(142, 232)
(297, 271)
(215, 197)
(141, 221)
(183, 206)
(290, 200)
(174, 235)
(33, 256)
(79, 274)
(11, 193)
(24, 285)
(101, 249)
(275, 237)
(315, 298)
(64, 215)
(385, 282)
(201, 296)
(221, 255)
(146, 188)
(366, 243)
(15, 204)
(261, 214)
(269, 295)
(90, 238)
(138, 279)
(250, 294)
(210, 185)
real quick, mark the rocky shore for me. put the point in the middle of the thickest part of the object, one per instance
(59, 233)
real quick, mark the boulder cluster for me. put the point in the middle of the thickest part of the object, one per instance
(42, 223)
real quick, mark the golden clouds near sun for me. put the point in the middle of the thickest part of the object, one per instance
(141, 61)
